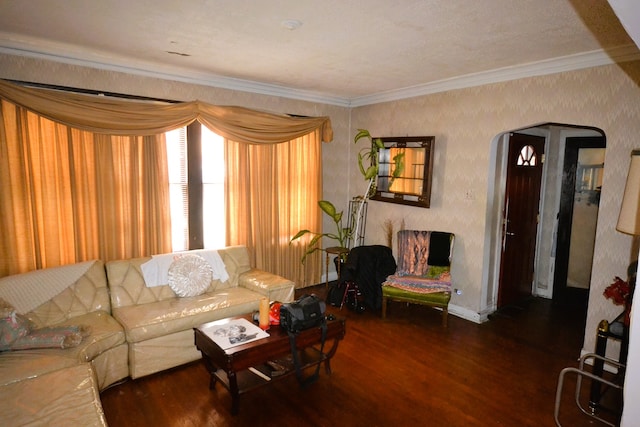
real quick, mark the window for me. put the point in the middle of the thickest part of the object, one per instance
(271, 163)
(527, 156)
(226, 193)
(210, 177)
(176, 141)
(213, 189)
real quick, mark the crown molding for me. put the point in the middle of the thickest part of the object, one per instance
(551, 66)
(185, 76)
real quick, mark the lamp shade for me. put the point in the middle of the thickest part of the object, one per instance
(629, 219)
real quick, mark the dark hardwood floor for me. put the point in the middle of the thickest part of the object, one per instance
(406, 370)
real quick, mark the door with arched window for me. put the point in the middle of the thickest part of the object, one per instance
(520, 217)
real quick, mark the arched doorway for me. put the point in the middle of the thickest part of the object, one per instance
(546, 242)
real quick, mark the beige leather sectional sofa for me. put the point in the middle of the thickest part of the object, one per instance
(135, 330)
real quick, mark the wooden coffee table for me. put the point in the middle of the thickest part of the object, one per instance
(247, 366)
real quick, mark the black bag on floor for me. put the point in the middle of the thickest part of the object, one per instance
(336, 293)
(354, 298)
(346, 293)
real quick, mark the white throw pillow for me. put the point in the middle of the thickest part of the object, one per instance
(189, 275)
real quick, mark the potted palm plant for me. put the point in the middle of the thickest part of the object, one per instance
(368, 163)
(341, 235)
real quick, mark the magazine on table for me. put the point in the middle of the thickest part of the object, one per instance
(229, 333)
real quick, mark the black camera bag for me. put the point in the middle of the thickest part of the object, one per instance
(304, 313)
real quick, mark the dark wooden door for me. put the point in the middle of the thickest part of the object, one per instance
(520, 218)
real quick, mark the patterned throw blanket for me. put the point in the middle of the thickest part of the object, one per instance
(421, 284)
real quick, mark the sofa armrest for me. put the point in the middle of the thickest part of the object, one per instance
(274, 287)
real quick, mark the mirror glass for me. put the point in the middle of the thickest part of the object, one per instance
(411, 179)
(413, 185)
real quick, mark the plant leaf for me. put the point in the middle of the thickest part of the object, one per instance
(299, 234)
(309, 252)
(315, 239)
(362, 133)
(371, 172)
(328, 208)
(398, 159)
(360, 164)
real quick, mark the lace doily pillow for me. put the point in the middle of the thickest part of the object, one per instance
(189, 275)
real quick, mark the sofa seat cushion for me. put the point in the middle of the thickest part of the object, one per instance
(105, 334)
(67, 397)
(146, 321)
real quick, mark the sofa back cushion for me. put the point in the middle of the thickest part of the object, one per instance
(84, 294)
(128, 287)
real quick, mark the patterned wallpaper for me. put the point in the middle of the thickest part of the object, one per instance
(466, 124)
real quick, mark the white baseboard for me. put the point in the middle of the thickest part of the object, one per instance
(465, 313)
(455, 310)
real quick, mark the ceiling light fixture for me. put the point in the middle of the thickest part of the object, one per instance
(291, 24)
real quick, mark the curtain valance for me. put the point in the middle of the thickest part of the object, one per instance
(126, 117)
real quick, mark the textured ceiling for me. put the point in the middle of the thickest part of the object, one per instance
(344, 50)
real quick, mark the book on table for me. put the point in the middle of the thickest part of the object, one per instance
(228, 333)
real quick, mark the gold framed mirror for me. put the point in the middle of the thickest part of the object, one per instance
(413, 186)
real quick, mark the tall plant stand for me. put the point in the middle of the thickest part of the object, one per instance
(335, 250)
(357, 221)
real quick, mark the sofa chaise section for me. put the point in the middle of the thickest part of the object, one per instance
(85, 302)
(66, 397)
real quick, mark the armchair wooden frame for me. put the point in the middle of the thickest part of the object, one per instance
(439, 300)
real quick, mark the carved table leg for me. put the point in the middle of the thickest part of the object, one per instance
(329, 355)
(212, 370)
(235, 393)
